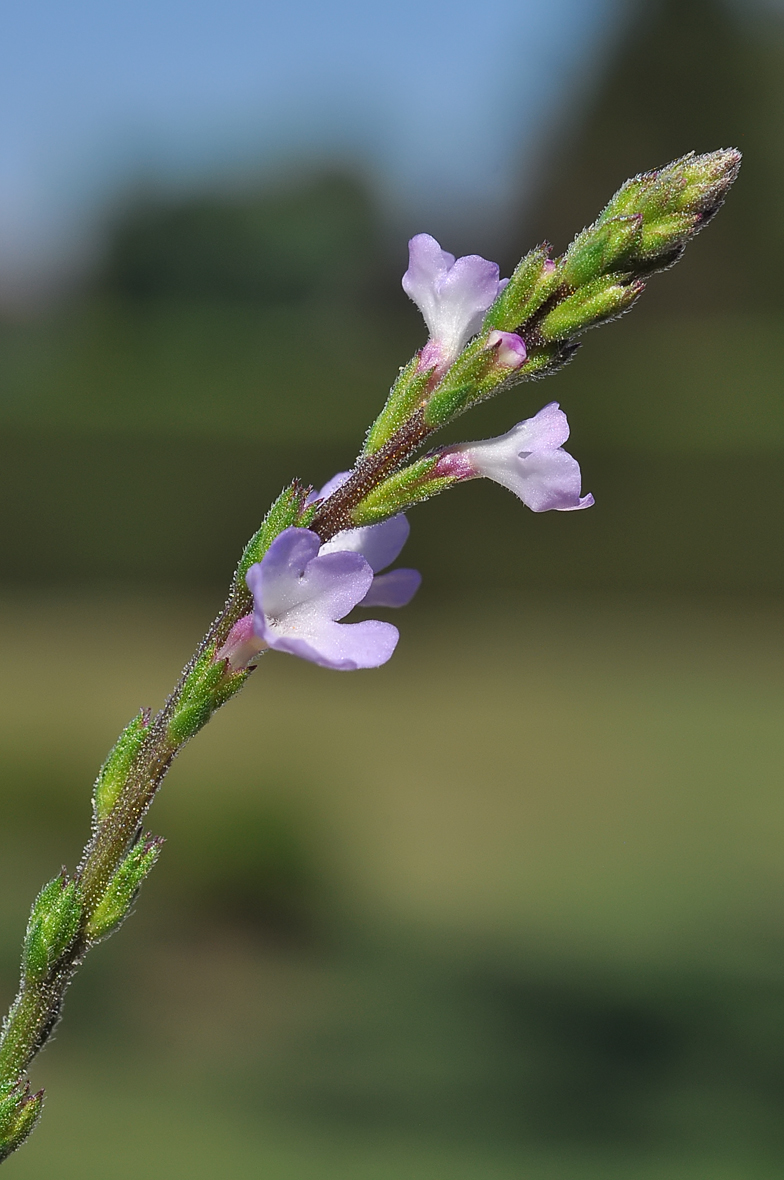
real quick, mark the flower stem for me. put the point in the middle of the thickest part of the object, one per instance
(112, 854)
(38, 1004)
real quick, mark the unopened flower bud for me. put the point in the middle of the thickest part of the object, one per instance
(19, 1112)
(510, 349)
(53, 925)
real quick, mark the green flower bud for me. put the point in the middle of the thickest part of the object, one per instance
(601, 300)
(123, 886)
(53, 926)
(408, 392)
(533, 282)
(19, 1112)
(603, 247)
(113, 774)
(410, 486)
(197, 701)
(287, 510)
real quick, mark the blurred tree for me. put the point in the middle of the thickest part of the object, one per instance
(687, 74)
(312, 237)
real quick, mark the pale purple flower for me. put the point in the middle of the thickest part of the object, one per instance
(299, 594)
(529, 460)
(301, 589)
(453, 296)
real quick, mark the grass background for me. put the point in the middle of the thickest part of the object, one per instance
(516, 910)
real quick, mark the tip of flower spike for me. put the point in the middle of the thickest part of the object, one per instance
(676, 202)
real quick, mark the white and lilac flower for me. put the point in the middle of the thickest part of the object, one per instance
(299, 596)
(510, 350)
(301, 589)
(452, 294)
(530, 461)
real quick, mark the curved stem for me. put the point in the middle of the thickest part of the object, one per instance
(36, 1010)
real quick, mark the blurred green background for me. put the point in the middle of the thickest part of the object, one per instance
(514, 904)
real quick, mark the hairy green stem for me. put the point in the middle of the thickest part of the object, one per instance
(36, 1010)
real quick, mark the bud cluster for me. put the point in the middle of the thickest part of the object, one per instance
(644, 228)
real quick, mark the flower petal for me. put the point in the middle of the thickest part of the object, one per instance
(292, 578)
(345, 647)
(464, 296)
(395, 588)
(584, 502)
(453, 296)
(379, 544)
(544, 480)
(544, 432)
(331, 486)
(427, 266)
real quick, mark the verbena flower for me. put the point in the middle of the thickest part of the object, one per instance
(529, 460)
(301, 589)
(452, 294)
(299, 594)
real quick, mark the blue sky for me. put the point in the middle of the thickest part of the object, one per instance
(445, 102)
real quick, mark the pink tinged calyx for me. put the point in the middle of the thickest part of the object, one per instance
(529, 460)
(242, 646)
(453, 296)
